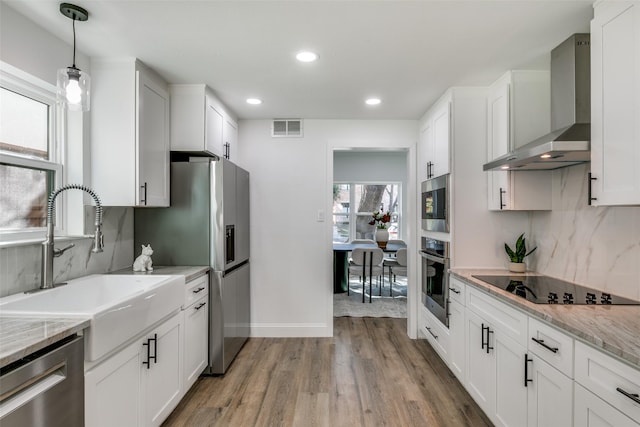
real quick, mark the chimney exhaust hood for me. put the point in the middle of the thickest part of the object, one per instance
(569, 144)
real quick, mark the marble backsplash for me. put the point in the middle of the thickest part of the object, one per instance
(20, 265)
(597, 247)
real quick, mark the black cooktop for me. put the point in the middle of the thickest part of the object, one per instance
(547, 290)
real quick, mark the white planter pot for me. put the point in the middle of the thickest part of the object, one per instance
(382, 237)
(517, 267)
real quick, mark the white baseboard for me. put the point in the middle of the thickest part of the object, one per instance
(291, 330)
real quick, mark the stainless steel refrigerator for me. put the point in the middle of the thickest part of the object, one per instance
(207, 224)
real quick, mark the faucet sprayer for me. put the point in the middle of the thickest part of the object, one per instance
(48, 249)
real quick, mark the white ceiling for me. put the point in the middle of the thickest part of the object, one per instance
(405, 52)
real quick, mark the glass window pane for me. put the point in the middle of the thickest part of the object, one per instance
(341, 228)
(24, 125)
(23, 197)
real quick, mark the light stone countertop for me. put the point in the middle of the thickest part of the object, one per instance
(614, 329)
(21, 336)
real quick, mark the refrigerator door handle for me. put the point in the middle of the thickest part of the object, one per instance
(230, 244)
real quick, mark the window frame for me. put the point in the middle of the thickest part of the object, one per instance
(353, 215)
(24, 84)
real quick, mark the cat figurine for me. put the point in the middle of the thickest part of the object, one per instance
(143, 262)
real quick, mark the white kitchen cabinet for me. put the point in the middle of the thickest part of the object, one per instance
(435, 332)
(611, 380)
(196, 330)
(549, 394)
(141, 384)
(129, 134)
(495, 358)
(518, 112)
(200, 123)
(615, 103)
(591, 411)
(230, 138)
(435, 139)
(457, 335)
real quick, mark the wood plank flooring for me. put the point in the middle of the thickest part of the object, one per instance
(369, 374)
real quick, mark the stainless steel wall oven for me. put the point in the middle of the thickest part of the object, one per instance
(434, 207)
(435, 278)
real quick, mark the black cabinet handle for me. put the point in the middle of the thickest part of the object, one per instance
(489, 331)
(526, 369)
(196, 291)
(454, 290)
(633, 396)
(502, 204)
(144, 200)
(432, 334)
(199, 306)
(542, 343)
(589, 195)
(155, 348)
(147, 362)
(482, 337)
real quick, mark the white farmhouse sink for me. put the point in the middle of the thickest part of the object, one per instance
(118, 306)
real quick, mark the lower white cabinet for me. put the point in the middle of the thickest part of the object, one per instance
(457, 339)
(591, 411)
(141, 384)
(549, 393)
(435, 332)
(196, 322)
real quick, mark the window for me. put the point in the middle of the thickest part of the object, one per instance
(354, 204)
(29, 157)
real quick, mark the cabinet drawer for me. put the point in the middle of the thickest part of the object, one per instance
(551, 345)
(457, 290)
(195, 290)
(609, 379)
(436, 333)
(505, 319)
(590, 410)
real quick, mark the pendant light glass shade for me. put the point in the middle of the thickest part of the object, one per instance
(74, 85)
(74, 88)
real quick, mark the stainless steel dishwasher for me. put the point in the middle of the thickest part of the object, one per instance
(45, 388)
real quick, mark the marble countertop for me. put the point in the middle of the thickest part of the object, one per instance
(21, 336)
(189, 272)
(614, 329)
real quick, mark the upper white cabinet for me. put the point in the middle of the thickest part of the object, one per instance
(518, 112)
(435, 138)
(615, 103)
(200, 123)
(129, 134)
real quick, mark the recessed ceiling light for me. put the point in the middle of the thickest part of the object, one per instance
(545, 156)
(254, 101)
(504, 167)
(373, 101)
(306, 56)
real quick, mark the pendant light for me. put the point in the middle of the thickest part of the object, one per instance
(74, 84)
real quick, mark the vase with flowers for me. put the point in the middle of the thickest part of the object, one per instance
(380, 220)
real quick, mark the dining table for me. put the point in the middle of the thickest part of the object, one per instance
(341, 260)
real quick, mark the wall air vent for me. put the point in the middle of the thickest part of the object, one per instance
(286, 128)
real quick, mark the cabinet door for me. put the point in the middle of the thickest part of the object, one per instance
(511, 394)
(615, 100)
(152, 142)
(214, 128)
(162, 378)
(112, 390)
(457, 341)
(481, 373)
(425, 152)
(591, 411)
(195, 341)
(549, 394)
(230, 138)
(441, 140)
(498, 145)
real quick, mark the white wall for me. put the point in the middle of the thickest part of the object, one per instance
(291, 181)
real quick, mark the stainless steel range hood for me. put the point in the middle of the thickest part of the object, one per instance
(569, 144)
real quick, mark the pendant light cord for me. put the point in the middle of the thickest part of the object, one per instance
(74, 40)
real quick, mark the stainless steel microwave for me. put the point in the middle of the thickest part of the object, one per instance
(435, 204)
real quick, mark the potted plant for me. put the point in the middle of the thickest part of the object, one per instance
(380, 220)
(517, 256)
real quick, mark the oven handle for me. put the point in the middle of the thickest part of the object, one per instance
(438, 259)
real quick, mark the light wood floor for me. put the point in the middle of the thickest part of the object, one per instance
(369, 374)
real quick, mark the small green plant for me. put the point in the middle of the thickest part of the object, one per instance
(521, 250)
